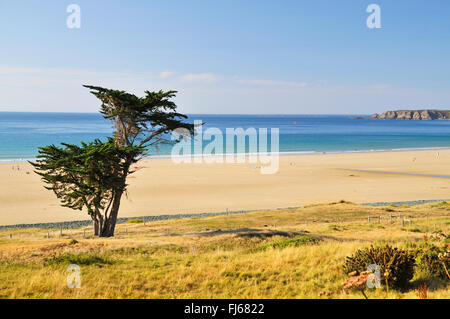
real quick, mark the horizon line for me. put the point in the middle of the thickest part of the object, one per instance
(53, 112)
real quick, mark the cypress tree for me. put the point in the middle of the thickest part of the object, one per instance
(93, 175)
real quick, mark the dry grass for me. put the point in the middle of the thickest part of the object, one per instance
(216, 257)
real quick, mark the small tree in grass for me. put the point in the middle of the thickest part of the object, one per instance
(93, 175)
(86, 176)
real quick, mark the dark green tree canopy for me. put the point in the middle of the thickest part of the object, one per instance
(93, 175)
(140, 121)
(85, 176)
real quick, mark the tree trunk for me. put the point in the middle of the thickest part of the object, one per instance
(96, 226)
(110, 223)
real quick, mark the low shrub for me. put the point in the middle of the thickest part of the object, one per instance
(297, 241)
(135, 221)
(414, 245)
(77, 259)
(342, 201)
(433, 260)
(396, 265)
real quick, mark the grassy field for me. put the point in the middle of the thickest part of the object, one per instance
(296, 253)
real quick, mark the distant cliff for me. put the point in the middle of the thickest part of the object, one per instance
(413, 115)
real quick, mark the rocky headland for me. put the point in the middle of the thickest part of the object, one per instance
(413, 115)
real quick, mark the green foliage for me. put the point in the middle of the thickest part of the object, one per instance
(93, 175)
(79, 260)
(342, 201)
(140, 121)
(135, 221)
(396, 265)
(86, 175)
(413, 245)
(433, 260)
(297, 241)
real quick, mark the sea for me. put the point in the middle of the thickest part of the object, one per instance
(21, 134)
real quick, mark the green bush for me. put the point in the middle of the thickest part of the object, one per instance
(342, 201)
(135, 221)
(297, 241)
(396, 265)
(68, 259)
(432, 259)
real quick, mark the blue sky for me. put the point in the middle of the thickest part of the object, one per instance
(243, 56)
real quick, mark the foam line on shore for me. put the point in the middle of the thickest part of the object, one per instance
(284, 153)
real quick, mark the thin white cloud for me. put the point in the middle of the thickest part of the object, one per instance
(166, 74)
(272, 83)
(60, 90)
(199, 77)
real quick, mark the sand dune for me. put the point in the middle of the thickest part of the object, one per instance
(162, 187)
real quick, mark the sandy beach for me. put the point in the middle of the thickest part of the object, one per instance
(163, 187)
